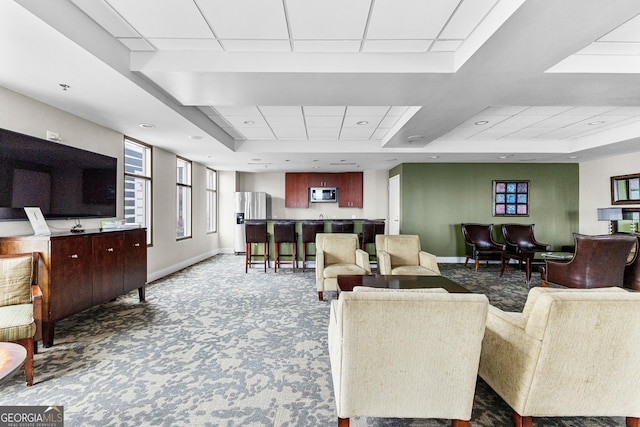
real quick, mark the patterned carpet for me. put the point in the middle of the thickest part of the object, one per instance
(214, 346)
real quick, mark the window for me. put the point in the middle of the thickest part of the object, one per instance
(183, 181)
(212, 201)
(137, 185)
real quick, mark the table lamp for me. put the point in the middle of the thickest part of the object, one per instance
(612, 215)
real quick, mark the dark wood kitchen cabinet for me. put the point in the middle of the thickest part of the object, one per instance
(78, 271)
(296, 193)
(324, 179)
(350, 190)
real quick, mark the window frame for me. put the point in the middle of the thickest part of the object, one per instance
(211, 192)
(148, 178)
(188, 229)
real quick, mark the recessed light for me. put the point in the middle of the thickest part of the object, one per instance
(316, 167)
(64, 86)
(362, 123)
(196, 137)
(146, 125)
(504, 157)
(414, 138)
(433, 157)
(597, 122)
(573, 157)
(287, 160)
(481, 122)
(249, 122)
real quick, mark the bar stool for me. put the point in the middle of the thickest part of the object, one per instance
(369, 231)
(309, 231)
(284, 232)
(342, 226)
(256, 232)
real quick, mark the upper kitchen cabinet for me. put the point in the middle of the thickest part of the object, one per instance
(350, 190)
(324, 179)
(296, 193)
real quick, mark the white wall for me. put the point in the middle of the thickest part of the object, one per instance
(25, 115)
(595, 188)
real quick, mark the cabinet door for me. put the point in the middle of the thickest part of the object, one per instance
(70, 286)
(134, 259)
(296, 193)
(350, 190)
(324, 179)
(107, 267)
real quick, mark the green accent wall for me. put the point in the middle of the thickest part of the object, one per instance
(435, 199)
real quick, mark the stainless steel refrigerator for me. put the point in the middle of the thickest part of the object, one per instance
(249, 205)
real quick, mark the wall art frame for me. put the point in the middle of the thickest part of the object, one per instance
(511, 198)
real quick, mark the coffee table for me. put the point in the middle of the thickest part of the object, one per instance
(12, 356)
(347, 283)
(530, 258)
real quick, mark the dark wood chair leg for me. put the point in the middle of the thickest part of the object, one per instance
(320, 296)
(304, 255)
(459, 423)
(343, 422)
(265, 248)
(477, 264)
(276, 254)
(466, 261)
(633, 422)
(520, 421)
(27, 343)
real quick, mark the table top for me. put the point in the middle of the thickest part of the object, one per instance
(12, 356)
(537, 255)
(347, 283)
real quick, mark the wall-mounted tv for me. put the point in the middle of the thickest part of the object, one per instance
(63, 181)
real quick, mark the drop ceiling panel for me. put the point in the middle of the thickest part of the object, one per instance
(137, 44)
(409, 19)
(256, 45)
(257, 133)
(345, 46)
(104, 14)
(466, 18)
(210, 45)
(280, 111)
(324, 133)
(242, 122)
(153, 21)
(328, 19)
(446, 45)
(356, 133)
(324, 121)
(588, 111)
(285, 121)
(398, 46)
(324, 111)
(355, 111)
(245, 19)
(290, 133)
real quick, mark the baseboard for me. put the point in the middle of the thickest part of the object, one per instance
(179, 266)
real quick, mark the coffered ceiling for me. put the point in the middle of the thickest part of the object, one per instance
(285, 85)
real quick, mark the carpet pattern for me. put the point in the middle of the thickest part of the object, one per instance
(214, 346)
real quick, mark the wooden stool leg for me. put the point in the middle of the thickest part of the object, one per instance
(276, 255)
(247, 256)
(304, 255)
(266, 255)
(293, 256)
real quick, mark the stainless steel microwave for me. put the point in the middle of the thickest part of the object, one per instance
(322, 194)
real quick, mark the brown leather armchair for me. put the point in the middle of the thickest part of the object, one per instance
(632, 269)
(520, 238)
(599, 262)
(479, 244)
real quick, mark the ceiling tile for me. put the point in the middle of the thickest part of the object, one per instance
(280, 110)
(379, 133)
(351, 46)
(324, 111)
(256, 45)
(104, 15)
(187, 44)
(153, 21)
(362, 122)
(232, 110)
(557, 122)
(466, 18)
(257, 133)
(624, 111)
(409, 19)
(398, 46)
(285, 121)
(324, 121)
(241, 122)
(290, 133)
(397, 111)
(518, 122)
(356, 133)
(545, 110)
(328, 19)
(366, 111)
(588, 111)
(504, 110)
(324, 133)
(245, 19)
(388, 121)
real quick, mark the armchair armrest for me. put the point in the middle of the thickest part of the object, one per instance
(429, 261)
(384, 262)
(36, 299)
(319, 269)
(362, 260)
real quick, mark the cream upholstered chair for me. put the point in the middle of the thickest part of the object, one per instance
(571, 352)
(20, 304)
(405, 353)
(338, 253)
(401, 254)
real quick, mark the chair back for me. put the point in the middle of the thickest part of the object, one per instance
(520, 237)
(417, 357)
(403, 249)
(256, 231)
(310, 229)
(370, 229)
(17, 273)
(284, 231)
(342, 226)
(337, 247)
(585, 337)
(480, 235)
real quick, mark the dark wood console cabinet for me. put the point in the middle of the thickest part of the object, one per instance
(79, 271)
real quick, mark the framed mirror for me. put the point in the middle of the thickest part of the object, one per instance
(625, 189)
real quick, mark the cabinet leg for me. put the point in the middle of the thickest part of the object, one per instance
(141, 294)
(47, 334)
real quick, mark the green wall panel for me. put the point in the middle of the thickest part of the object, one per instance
(435, 199)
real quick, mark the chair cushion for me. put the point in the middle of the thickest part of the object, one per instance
(16, 322)
(15, 280)
(413, 270)
(340, 250)
(333, 270)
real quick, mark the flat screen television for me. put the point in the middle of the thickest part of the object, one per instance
(63, 181)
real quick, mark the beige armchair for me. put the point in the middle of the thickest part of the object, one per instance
(401, 255)
(338, 254)
(571, 352)
(405, 353)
